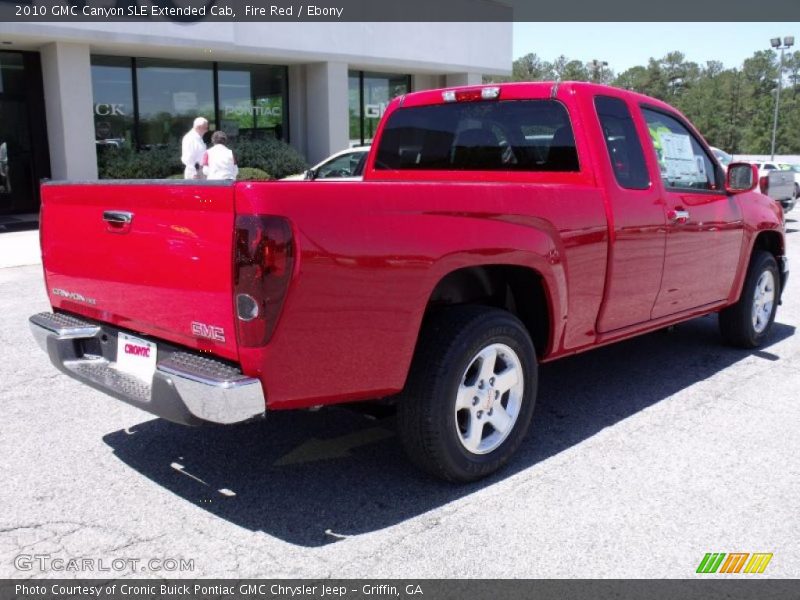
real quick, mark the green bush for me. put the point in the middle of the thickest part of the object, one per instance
(272, 156)
(155, 163)
(257, 159)
(252, 174)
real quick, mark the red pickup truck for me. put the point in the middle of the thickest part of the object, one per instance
(497, 227)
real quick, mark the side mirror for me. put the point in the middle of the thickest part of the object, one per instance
(310, 175)
(741, 177)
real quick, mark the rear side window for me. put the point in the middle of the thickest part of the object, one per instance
(622, 141)
(511, 135)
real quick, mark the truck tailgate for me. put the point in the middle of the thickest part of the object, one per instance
(151, 256)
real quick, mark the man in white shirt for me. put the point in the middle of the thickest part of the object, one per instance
(193, 148)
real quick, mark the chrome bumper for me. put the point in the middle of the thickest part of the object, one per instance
(186, 388)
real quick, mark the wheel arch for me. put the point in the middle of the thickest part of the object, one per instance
(521, 290)
(773, 242)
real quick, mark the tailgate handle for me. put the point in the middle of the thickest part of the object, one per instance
(119, 221)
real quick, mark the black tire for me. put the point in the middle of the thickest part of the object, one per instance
(429, 427)
(736, 321)
(797, 190)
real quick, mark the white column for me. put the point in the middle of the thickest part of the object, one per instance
(456, 79)
(327, 120)
(67, 77)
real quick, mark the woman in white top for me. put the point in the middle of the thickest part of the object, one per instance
(218, 161)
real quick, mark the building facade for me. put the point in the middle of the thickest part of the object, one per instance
(69, 91)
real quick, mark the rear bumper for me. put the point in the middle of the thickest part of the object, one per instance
(186, 388)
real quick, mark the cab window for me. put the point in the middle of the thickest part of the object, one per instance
(622, 142)
(683, 162)
(505, 135)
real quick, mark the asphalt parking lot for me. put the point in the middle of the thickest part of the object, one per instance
(643, 457)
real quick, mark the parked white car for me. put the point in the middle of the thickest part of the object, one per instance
(347, 165)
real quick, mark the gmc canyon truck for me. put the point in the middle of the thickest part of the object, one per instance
(497, 227)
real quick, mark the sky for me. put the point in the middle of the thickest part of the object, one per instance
(624, 45)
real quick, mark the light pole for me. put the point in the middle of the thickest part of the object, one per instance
(788, 42)
(597, 65)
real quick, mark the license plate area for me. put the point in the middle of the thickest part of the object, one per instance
(136, 357)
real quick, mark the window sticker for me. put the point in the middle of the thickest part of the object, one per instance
(678, 163)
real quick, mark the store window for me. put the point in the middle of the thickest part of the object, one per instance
(11, 72)
(252, 101)
(171, 94)
(112, 89)
(141, 103)
(370, 94)
(24, 155)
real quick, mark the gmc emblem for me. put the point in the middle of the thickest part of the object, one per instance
(210, 332)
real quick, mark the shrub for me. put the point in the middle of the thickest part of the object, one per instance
(251, 174)
(154, 163)
(277, 158)
(268, 158)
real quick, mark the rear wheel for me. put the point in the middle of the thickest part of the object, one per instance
(470, 395)
(748, 322)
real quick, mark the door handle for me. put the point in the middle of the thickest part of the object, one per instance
(678, 216)
(118, 221)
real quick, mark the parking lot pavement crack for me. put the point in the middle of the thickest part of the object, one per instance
(135, 542)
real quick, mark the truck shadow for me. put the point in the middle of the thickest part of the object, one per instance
(312, 478)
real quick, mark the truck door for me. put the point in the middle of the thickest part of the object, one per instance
(636, 219)
(704, 224)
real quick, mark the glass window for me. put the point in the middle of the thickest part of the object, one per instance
(12, 73)
(171, 95)
(682, 161)
(252, 101)
(347, 165)
(369, 95)
(112, 90)
(513, 135)
(622, 141)
(379, 90)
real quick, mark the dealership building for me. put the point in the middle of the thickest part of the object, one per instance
(71, 90)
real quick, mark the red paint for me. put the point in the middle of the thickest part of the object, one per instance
(367, 255)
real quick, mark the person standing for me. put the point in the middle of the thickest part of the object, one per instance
(219, 161)
(192, 149)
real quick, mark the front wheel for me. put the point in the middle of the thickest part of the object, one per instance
(470, 395)
(748, 322)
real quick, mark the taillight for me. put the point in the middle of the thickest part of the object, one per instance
(262, 267)
(471, 95)
(763, 184)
